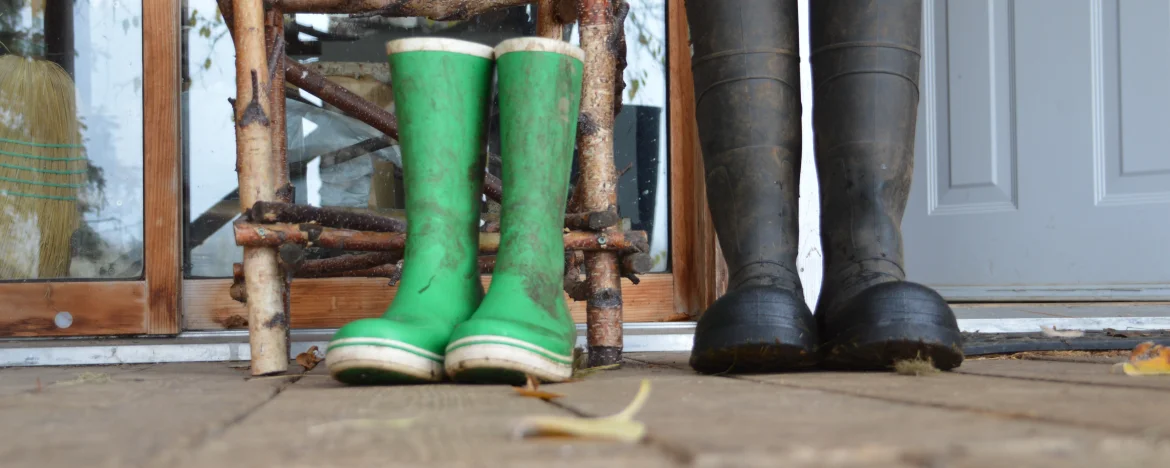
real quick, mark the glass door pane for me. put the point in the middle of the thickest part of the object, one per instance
(70, 139)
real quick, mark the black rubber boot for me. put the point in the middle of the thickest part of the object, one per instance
(865, 63)
(747, 93)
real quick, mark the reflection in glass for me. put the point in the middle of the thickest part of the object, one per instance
(70, 139)
(351, 51)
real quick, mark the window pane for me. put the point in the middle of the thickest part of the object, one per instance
(351, 52)
(70, 139)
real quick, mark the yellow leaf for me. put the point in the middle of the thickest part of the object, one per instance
(620, 427)
(532, 390)
(1148, 359)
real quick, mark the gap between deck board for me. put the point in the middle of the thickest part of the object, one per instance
(740, 422)
(937, 393)
(1073, 373)
(172, 456)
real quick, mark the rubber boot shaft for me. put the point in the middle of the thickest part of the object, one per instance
(746, 67)
(523, 325)
(441, 115)
(865, 61)
(441, 92)
(747, 93)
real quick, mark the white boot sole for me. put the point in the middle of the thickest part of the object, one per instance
(518, 357)
(384, 358)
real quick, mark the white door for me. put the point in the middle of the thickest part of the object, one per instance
(1042, 167)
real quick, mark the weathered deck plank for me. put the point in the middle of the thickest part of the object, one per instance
(716, 421)
(1024, 413)
(318, 422)
(118, 416)
(1128, 410)
(1069, 372)
(1090, 357)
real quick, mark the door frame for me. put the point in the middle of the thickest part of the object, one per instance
(148, 305)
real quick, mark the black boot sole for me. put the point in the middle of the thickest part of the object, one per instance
(881, 348)
(755, 330)
(892, 322)
(753, 359)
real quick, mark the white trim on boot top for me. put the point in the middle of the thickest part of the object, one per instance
(539, 44)
(439, 44)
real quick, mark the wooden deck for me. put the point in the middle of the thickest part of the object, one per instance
(1029, 411)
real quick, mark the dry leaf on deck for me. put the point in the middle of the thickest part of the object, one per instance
(1148, 359)
(309, 359)
(532, 389)
(620, 427)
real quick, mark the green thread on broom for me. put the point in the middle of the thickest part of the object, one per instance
(39, 145)
(42, 97)
(42, 171)
(41, 184)
(34, 195)
(42, 158)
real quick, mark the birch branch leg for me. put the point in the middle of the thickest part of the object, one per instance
(274, 44)
(598, 178)
(285, 192)
(267, 320)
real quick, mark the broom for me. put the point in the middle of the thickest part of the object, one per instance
(42, 168)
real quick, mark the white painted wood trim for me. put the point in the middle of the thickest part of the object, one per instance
(223, 346)
(1087, 292)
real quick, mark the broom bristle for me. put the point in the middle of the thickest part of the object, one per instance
(42, 168)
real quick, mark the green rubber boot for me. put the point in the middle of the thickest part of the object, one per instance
(523, 325)
(441, 93)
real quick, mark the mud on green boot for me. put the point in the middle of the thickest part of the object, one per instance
(523, 326)
(441, 95)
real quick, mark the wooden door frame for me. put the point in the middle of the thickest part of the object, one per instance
(148, 305)
(163, 303)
